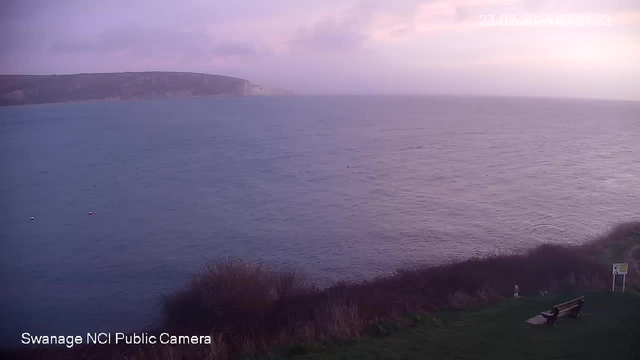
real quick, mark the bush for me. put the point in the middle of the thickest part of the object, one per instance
(616, 236)
(251, 309)
(258, 308)
(231, 293)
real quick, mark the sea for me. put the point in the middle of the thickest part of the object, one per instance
(106, 207)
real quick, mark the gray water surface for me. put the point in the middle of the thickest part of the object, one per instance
(339, 187)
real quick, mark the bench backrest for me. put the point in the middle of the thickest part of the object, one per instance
(570, 303)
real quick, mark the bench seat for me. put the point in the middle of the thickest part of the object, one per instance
(571, 308)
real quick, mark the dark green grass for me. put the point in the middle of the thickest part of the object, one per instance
(609, 328)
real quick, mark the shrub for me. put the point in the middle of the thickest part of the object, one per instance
(227, 292)
(258, 308)
(251, 309)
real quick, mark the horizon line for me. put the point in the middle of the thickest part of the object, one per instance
(296, 93)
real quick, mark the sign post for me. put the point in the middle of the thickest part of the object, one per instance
(620, 269)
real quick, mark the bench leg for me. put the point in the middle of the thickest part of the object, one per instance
(576, 311)
(551, 320)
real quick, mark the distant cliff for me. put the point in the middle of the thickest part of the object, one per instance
(38, 89)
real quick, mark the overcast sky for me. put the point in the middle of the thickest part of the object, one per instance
(330, 46)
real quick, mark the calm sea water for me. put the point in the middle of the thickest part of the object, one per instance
(339, 187)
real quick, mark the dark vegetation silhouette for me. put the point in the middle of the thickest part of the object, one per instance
(250, 309)
(39, 89)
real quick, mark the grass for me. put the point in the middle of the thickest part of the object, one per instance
(609, 328)
(255, 309)
(620, 244)
(251, 310)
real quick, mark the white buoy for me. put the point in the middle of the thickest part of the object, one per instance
(32, 218)
(90, 212)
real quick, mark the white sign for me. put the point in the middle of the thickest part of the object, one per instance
(620, 268)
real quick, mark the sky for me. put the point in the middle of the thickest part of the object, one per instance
(573, 48)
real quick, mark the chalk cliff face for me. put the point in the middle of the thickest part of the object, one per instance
(37, 89)
(260, 90)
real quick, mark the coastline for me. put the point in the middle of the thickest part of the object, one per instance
(249, 309)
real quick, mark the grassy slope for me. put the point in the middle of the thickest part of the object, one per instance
(625, 248)
(609, 328)
(247, 320)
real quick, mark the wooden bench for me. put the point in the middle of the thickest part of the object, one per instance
(571, 308)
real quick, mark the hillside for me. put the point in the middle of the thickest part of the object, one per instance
(38, 89)
(606, 329)
(451, 311)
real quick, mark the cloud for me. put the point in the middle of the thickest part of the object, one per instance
(225, 49)
(152, 42)
(351, 45)
(350, 30)
(329, 35)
